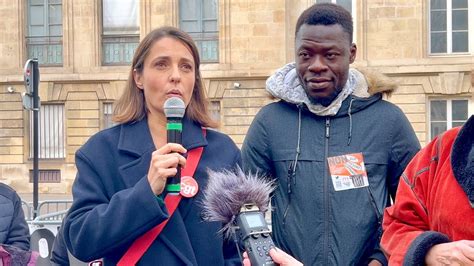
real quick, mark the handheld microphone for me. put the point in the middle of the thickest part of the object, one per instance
(239, 202)
(174, 109)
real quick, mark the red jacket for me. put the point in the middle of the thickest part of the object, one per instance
(435, 199)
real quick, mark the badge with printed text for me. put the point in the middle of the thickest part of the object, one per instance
(348, 171)
(189, 187)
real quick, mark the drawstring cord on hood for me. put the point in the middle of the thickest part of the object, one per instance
(291, 178)
(350, 122)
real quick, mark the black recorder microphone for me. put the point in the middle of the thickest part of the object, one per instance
(174, 109)
(240, 201)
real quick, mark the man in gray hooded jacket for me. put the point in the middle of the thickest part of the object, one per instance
(335, 148)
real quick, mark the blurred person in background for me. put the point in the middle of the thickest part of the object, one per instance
(13, 227)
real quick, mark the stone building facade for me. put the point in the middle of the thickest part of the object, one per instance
(251, 38)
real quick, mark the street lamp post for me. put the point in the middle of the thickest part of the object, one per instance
(31, 102)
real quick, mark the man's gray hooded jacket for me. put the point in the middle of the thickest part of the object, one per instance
(290, 142)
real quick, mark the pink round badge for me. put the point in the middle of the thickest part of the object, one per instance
(189, 187)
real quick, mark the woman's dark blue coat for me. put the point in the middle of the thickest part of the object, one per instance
(114, 204)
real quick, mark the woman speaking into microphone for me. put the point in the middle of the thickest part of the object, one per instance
(122, 211)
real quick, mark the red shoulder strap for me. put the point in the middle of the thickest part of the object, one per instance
(141, 244)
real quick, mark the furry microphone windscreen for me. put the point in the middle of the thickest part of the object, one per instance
(227, 191)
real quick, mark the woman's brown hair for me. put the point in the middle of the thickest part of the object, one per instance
(131, 106)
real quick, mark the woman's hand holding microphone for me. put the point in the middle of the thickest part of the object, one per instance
(163, 165)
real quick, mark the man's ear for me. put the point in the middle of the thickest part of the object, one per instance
(353, 53)
(137, 77)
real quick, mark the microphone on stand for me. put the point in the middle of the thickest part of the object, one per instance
(174, 109)
(239, 201)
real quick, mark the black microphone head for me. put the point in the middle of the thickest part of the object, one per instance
(174, 107)
(227, 191)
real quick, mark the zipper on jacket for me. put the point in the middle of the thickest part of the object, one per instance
(378, 213)
(326, 194)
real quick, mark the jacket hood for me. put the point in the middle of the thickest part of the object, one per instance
(462, 159)
(284, 84)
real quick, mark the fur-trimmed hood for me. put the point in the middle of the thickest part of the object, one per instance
(462, 158)
(284, 84)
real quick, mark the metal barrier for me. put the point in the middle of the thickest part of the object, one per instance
(52, 206)
(54, 218)
(51, 221)
(50, 214)
(27, 210)
(46, 207)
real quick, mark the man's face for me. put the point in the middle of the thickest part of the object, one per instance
(323, 56)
